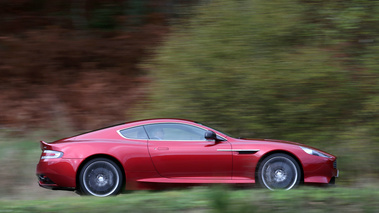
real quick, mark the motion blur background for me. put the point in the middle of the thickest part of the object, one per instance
(298, 70)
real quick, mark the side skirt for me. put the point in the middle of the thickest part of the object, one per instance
(197, 180)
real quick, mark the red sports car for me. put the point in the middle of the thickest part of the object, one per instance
(163, 152)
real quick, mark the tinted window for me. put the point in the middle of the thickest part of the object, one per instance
(134, 133)
(171, 131)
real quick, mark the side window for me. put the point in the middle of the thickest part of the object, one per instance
(174, 131)
(134, 133)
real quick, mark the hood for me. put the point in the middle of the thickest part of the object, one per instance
(285, 142)
(281, 141)
(272, 140)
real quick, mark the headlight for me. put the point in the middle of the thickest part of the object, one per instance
(50, 154)
(314, 152)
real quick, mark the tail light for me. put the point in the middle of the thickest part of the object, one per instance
(50, 154)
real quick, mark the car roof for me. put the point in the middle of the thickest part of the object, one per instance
(159, 120)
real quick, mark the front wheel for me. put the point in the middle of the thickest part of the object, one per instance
(279, 171)
(100, 177)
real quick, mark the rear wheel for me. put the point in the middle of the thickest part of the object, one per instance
(100, 177)
(279, 171)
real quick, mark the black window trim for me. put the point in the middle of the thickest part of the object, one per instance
(143, 125)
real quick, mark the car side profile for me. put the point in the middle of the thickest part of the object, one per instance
(156, 153)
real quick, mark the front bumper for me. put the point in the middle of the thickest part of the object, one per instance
(320, 170)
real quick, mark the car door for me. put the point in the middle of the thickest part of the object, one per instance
(181, 151)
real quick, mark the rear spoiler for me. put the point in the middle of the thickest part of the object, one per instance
(45, 146)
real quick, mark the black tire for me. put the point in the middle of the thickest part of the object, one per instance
(100, 177)
(279, 171)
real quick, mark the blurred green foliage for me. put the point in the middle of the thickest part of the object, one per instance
(210, 200)
(300, 70)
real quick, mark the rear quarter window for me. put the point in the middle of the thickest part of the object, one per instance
(134, 133)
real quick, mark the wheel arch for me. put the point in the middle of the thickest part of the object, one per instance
(281, 152)
(115, 160)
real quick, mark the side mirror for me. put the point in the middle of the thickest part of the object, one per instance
(210, 135)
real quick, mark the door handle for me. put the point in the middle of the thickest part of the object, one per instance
(162, 148)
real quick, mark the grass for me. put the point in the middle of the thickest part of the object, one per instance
(211, 199)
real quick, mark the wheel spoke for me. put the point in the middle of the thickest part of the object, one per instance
(279, 172)
(101, 178)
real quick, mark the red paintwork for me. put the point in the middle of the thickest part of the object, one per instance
(149, 162)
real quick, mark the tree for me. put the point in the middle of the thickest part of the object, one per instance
(290, 69)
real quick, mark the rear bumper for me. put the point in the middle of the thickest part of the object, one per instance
(56, 187)
(57, 173)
